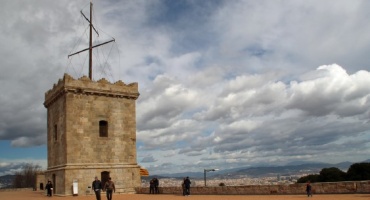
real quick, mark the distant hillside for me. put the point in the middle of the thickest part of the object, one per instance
(181, 175)
(296, 168)
(6, 181)
(290, 169)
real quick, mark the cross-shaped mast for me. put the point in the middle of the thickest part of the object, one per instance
(90, 43)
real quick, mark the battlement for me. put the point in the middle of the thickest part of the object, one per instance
(86, 86)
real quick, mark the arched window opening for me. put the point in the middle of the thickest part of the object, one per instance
(55, 135)
(103, 128)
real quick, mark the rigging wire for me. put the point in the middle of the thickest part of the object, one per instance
(109, 71)
(81, 21)
(83, 64)
(102, 64)
(97, 52)
(105, 64)
(79, 40)
(119, 61)
(77, 43)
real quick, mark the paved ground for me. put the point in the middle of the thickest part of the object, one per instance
(36, 195)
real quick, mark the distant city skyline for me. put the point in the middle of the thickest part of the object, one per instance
(222, 84)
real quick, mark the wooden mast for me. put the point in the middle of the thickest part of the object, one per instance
(90, 41)
(90, 45)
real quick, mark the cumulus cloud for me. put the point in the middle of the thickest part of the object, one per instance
(148, 159)
(332, 93)
(9, 167)
(222, 83)
(273, 119)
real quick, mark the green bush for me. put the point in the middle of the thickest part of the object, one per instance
(221, 184)
(356, 172)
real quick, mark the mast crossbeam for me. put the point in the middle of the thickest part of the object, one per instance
(90, 41)
(92, 47)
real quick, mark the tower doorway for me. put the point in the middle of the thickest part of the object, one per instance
(54, 184)
(104, 177)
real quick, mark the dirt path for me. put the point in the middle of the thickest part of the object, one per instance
(36, 195)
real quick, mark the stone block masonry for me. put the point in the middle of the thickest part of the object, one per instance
(348, 187)
(91, 131)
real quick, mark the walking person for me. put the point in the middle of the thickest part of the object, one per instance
(97, 187)
(109, 188)
(49, 189)
(309, 189)
(187, 183)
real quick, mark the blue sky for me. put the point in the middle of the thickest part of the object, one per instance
(11, 152)
(222, 84)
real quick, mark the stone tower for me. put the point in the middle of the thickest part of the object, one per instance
(91, 131)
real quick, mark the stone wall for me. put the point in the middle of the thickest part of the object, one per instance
(348, 187)
(91, 131)
(15, 189)
(75, 108)
(40, 181)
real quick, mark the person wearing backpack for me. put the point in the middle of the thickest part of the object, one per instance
(109, 188)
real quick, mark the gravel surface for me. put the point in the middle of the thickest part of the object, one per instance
(36, 195)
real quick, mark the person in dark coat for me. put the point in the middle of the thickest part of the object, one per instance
(49, 189)
(151, 186)
(109, 188)
(309, 189)
(97, 187)
(183, 187)
(156, 186)
(187, 186)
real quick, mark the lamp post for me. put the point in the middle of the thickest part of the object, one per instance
(205, 172)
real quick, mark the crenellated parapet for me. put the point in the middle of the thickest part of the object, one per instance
(86, 86)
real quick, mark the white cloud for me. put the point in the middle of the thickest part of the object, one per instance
(275, 119)
(222, 83)
(9, 167)
(148, 159)
(329, 94)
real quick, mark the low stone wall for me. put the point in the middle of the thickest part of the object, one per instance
(348, 187)
(15, 189)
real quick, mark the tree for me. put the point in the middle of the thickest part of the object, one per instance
(27, 176)
(332, 174)
(358, 172)
(17, 182)
(312, 178)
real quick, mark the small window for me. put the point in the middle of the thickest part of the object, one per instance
(55, 136)
(103, 128)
